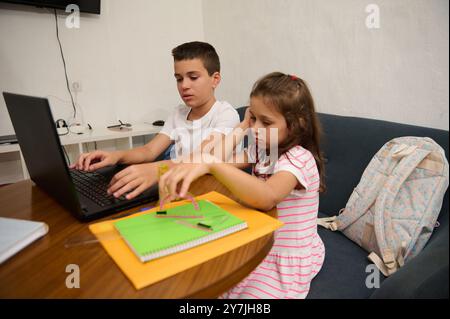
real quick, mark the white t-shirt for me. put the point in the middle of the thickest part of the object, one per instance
(188, 135)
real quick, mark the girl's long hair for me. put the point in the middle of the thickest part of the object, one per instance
(290, 96)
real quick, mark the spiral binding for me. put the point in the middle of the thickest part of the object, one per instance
(190, 244)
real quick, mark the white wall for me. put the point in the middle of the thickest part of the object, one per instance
(122, 58)
(398, 72)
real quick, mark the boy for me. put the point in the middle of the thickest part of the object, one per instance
(190, 127)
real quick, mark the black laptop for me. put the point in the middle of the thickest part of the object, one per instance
(82, 193)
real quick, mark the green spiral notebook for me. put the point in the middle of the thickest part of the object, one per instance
(155, 235)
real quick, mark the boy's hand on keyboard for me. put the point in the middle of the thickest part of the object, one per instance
(92, 161)
(133, 180)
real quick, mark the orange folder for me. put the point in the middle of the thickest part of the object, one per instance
(144, 274)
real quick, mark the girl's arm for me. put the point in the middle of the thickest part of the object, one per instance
(223, 146)
(228, 144)
(251, 190)
(263, 195)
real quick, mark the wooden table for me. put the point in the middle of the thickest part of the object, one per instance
(39, 270)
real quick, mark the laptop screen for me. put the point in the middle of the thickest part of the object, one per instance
(41, 149)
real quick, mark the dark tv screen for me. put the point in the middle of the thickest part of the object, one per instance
(89, 6)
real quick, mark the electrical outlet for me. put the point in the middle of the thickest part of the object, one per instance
(76, 86)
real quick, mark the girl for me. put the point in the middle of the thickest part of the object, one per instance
(291, 183)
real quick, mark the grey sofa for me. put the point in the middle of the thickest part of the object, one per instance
(348, 144)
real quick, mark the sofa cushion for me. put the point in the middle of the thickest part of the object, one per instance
(343, 274)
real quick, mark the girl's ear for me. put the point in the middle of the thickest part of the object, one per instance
(216, 79)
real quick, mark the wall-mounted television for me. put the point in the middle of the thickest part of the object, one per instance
(89, 6)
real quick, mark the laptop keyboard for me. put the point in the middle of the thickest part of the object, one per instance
(94, 186)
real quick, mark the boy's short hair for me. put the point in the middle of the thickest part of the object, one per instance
(198, 50)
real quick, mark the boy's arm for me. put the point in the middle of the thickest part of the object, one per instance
(99, 159)
(150, 151)
(147, 153)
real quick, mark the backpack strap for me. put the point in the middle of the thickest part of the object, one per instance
(379, 263)
(382, 211)
(328, 223)
(382, 266)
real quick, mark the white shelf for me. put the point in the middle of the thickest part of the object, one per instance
(94, 135)
(103, 134)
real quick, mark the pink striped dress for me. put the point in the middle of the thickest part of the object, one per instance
(298, 252)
